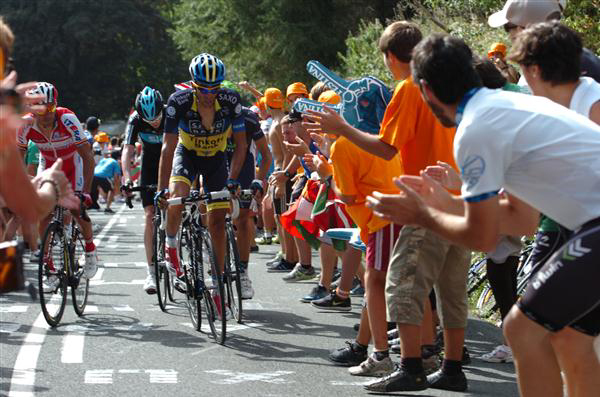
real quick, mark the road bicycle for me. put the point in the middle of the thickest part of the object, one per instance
(61, 265)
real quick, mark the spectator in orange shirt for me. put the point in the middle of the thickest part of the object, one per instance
(410, 128)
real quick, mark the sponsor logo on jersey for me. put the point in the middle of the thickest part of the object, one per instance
(171, 111)
(472, 169)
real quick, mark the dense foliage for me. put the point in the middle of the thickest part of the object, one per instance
(99, 54)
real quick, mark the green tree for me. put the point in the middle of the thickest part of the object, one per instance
(98, 54)
(269, 41)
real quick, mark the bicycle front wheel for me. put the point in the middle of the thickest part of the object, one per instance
(80, 284)
(188, 255)
(52, 280)
(158, 260)
(232, 278)
(214, 302)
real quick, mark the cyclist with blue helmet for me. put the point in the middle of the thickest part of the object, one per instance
(198, 122)
(147, 124)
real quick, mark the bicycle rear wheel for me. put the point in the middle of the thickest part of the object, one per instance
(214, 301)
(52, 280)
(80, 285)
(476, 276)
(232, 276)
(158, 259)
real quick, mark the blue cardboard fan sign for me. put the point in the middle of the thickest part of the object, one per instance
(363, 101)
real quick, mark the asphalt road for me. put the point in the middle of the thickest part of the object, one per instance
(124, 345)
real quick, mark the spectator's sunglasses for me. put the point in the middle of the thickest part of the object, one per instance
(206, 90)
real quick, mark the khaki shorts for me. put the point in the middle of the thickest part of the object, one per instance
(422, 260)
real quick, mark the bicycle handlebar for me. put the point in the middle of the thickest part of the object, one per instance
(194, 196)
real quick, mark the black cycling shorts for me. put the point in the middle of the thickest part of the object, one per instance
(545, 244)
(148, 176)
(187, 166)
(564, 292)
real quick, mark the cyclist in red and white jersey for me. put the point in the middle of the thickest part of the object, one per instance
(58, 134)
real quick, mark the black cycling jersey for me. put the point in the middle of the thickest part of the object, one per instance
(253, 131)
(151, 137)
(183, 118)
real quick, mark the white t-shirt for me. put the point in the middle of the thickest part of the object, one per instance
(586, 94)
(538, 150)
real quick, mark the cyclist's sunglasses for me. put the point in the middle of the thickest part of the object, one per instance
(49, 108)
(206, 90)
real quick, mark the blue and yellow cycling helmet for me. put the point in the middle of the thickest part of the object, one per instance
(207, 70)
(149, 103)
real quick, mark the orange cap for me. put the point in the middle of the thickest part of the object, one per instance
(274, 98)
(102, 137)
(330, 97)
(296, 88)
(497, 47)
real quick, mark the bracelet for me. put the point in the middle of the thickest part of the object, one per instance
(54, 185)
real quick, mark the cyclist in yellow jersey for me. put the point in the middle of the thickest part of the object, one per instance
(198, 122)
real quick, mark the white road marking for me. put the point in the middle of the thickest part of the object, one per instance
(137, 327)
(253, 306)
(13, 309)
(230, 327)
(162, 375)
(23, 376)
(123, 308)
(91, 309)
(130, 371)
(123, 219)
(111, 264)
(112, 246)
(132, 282)
(72, 349)
(232, 377)
(99, 376)
(141, 246)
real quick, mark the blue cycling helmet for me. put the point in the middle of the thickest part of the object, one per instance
(149, 103)
(207, 70)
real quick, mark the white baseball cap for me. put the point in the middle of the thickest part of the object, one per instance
(525, 12)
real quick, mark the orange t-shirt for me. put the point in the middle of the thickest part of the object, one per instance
(358, 173)
(410, 126)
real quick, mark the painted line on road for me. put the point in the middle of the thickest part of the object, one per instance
(162, 375)
(72, 349)
(98, 376)
(232, 377)
(98, 275)
(123, 308)
(23, 376)
(14, 309)
(9, 328)
(102, 282)
(91, 309)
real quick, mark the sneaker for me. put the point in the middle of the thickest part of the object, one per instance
(254, 248)
(333, 302)
(246, 284)
(501, 354)
(399, 380)
(94, 206)
(275, 239)
(348, 356)
(281, 267)
(372, 367)
(108, 211)
(393, 334)
(442, 381)
(277, 258)
(299, 273)
(263, 240)
(91, 264)
(359, 291)
(150, 285)
(34, 256)
(50, 284)
(317, 292)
